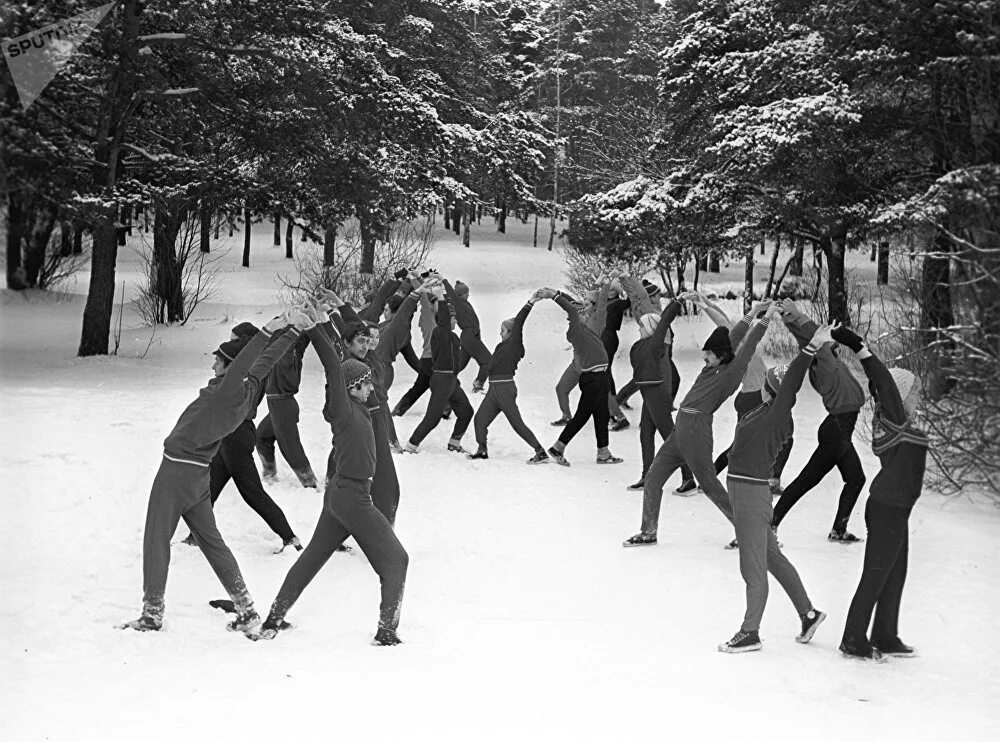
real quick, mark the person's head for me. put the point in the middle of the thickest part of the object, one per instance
(461, 289)
(357, 378)
(648, 324)
(772, 382)
(717, 349)
(243, 331)
(226, 354)
(392, 306)
(356, 339)
(373, 334)
(506, 328)
(369, 297)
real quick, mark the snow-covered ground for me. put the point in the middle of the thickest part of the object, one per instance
(523, 618)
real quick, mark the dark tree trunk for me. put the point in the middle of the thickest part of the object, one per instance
(124, 226)
(502, 220)
(277, 229)
(247, 228)
(330, 246)
(797, 247)
(167, 220)
(467, 214)
(145, 219)
(936, 309)
(874, 253)
(748, 281)
(218, 223)
(101, 293)
(763, 246)
(701, 264)
(456, 217)
(231, 221)
(534, 241)
(289, 234)
(835, 248)
(713, 262)
(65, 239)
(447, 215)
(681, 265)
(206, 227)
(17, 233)
(774, 266)
(78, 239)
(479, 213)
(368, 238)
(38, 244)
(883, 264)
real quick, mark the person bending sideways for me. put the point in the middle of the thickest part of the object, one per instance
(182, 488)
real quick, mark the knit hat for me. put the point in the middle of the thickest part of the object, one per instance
(648, 324)
(653, 291)
(355, 372)
(461, 289)
(230, 349)
(772, 380)
(718, 342)
(245, 330)
(508, 325)
(903, 380)
(395, 302)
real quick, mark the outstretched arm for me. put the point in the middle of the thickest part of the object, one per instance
(666, 318)
(373, 311)
(885, 388)
(792, 383)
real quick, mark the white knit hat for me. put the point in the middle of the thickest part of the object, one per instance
(648, 324)
(904, 381)
(774, 376)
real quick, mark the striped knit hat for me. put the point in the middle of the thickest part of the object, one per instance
(230, 349)
(773, 378)
(904, 380)
(245, 330)
(355, 372)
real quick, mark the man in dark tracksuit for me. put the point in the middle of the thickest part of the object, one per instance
(471, 334)
(760, 434)
(614, 313)
(502, 394)
(446, 389)
(691, 440)
(348, 509)
(843, 398)
(181, 488)
(281, 424)
(590, 356)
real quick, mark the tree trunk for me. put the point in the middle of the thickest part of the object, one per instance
(882, 278)
(218, 224)
(101, 291)
(247, 228)
(289, 234)
(447, 215)
(17, 231)
(78, 239)
(936, 310)
(38, 244)
(167, 220)
(774, 266)
(713, 261)
(65, 239)
(330, 246)
(701, 264)
(206, 227)
(534, 241)
(763, 246)
(456, 217)
(502, 221)
(681, 266)
(748, 281)
(277, 229)
(124, 214)
(467, 214)
(874, 252)
(835, 249)
(368, 238)
(797, 247)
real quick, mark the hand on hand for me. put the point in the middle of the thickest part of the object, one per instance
(823, 334)
(329, 296)
(772, 310)
(761, 306)
(277, 323)
(299, 317)
(787, 305)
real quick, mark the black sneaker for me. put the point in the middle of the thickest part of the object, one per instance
(307, 478)
(894, 648)
(640, 485)
(189, 541)
(245, 623)
(609, 459)
(811, 620)
(143, 623)
(269, 472)
(398, 411)
(479, 454)
(742, 641)
(269, 629)
(776, 490)
(477, 387)
(293, 542)
(624, 405)
(386, 638)
(561, 421)
(734, 544)
(854, 653)
(687, 488)
(640, 539)
(446, 414)
(621, 423)
(540, 457)
(558, 457)
(843, 537)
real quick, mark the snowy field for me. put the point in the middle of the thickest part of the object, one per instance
(523, 616)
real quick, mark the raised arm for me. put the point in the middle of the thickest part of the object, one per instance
(792, 383)
(599, 317)
(666, 318)
(396, 335)
(636, 292)
(885, 388)
(232, 383)
(337, 398)
(571, 312)
(373, 311)
(739, 330)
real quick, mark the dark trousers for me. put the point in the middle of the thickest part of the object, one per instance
(348, 511)
(569, 379)
(744, 403)
(882, 578)
(610, 340)
(655, 418)
(182, 491)
(835, 449)
(446, 391)
(281, 425)
(474, 349)
(502, 397)
(593, 404)
(420, 385)
(235, 461)
(626, 392)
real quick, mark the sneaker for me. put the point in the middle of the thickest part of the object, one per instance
(269, 629)
(894, 648)
(843, 537)
(143, 623)
(386, 638)
(481, 453)
(293, 542)
(245, 623)
(609, 459)
(734, 544)
(269, 472)
(561, 421)
(640, 485)
(396, 448)
(853, 653)
(540, 457)
(477, 387)
(621, 423)
(410, 448)
(687, 488)
(776, 489)
(640, 539)
(307, 478)
(624, 405)
(189, 541)
(742, 641)
(446, 414)
(456, 447)
(811, 620)
(558, 457)
(398, 411)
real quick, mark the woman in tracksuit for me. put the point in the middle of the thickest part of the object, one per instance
(471, 333)
(502, 393)
(446, 389)
(691, 440)
(843, 397)
(348, 509)
(181, 488)
(760, 434)
(902, 451)
(592, 359)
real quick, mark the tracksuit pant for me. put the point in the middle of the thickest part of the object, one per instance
(181, 490)
(420, 385)
(446, 391)
(235, 461)
(882, 578)
(759, 552)
(593, 404)
(744, 403)
(690, 443)
(473, 348)
(348, 511)
(835, 449)
(655, 417)
(281, 425)
(569, 379)
(610, 340)
(502, 397)
(385, 482)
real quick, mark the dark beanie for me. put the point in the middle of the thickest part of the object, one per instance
(245, 330)
(230, 349)
(395, 302)
(355, 371)
(461, 289)
(718, 342)
(653, 291)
